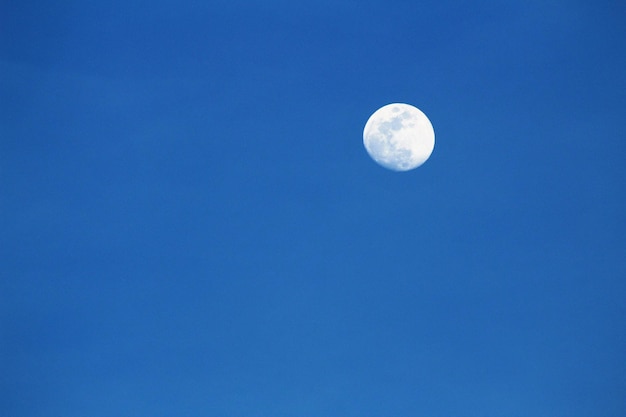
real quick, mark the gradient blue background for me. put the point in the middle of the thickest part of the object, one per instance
(190, 225)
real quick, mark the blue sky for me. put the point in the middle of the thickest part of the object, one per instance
(190, 225)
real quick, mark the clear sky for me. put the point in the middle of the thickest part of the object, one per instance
(191, 226)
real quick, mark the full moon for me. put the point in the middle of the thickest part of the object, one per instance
(399, 137)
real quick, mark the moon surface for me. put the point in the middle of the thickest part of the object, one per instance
(399, 137)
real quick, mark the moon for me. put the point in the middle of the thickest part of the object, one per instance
(399, 137)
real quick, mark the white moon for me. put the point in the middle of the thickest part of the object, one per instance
(399, 137)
